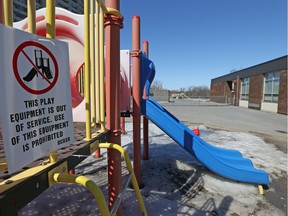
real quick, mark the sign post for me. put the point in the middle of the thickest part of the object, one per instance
(35, 95)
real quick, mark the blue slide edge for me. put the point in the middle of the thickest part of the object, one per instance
(224, 162)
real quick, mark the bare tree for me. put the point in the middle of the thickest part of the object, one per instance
(182, 90)
(198, 91)
(156, 84)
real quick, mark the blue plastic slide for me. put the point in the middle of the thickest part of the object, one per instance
(227, 163)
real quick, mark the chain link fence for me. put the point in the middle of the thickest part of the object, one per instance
(202, 101)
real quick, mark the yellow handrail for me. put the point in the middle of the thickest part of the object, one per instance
(108, 10)
(129, 168)
(89, 184)
(96, 191)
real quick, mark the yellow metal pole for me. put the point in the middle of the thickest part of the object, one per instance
(31, 11)
(102, 93)
(82, 81)
(97, 63)
(8, 12)
(3, 165)
(50, 18)
(261, 191)
(6, 17)
(89, 184)
(92, 52)
(79, 81)
(94, 73)
(87, 70)
(50, 33)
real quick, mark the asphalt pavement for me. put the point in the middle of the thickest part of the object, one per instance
(270, 126)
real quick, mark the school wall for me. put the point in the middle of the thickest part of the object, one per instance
(224, 92)
(282, 103)
(256, 92)
(230, 85)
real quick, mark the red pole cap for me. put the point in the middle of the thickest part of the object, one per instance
(136, 17)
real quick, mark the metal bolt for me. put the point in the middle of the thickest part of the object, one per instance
(9, 181)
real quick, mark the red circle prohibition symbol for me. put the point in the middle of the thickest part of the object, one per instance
(17, 52)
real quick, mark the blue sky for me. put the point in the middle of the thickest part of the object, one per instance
(194, 41)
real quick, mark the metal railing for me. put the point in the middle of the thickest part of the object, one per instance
(96, 191)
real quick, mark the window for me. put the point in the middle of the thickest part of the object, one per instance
(245, 82)
(271, 90)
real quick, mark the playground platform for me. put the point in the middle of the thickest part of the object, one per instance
(74, 154)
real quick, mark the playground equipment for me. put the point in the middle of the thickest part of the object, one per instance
(69, 28)
(227, 163)
(75, 31)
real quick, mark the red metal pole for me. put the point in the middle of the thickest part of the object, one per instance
(136, 62)
(145, 48)
(1, 12)
(112, 65)
(123, 125)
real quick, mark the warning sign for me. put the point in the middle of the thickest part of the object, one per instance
(35, 95)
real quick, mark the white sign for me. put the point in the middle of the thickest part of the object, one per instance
(35, 95)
